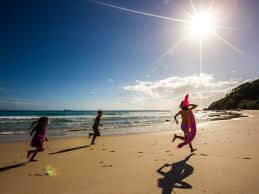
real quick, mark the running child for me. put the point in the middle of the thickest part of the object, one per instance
(185, 114)
(39, 129)
(96, 126)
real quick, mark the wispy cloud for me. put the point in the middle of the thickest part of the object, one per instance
(92, 92)
(201, 87)
(110, 80)
(166, 2)
(2, 90)
(14, 103)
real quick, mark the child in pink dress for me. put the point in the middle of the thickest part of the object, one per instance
(39, 130)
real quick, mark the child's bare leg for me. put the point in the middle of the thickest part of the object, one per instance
(179, 137)
(90, 134)
(192, 149)
(94, 136)
(29, 153)
(34, 153)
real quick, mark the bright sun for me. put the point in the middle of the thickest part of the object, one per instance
(201, 25)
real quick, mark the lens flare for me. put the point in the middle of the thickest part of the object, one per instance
(50, 171)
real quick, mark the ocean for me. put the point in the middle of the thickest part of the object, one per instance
(14, 125)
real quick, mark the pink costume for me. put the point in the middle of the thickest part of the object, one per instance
(192, 126)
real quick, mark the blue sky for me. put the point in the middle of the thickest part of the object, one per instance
(83, 55)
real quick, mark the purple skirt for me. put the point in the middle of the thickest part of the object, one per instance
(38, 139)
(35, 143)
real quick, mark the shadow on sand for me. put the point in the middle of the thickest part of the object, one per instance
(174, 177)
(2, 169)
(69, 149)
(5, 168)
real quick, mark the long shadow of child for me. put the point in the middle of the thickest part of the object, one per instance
(174, 177)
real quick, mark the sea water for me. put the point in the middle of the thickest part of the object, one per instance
(14, 125)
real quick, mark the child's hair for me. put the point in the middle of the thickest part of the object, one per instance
(182, 106)
(38, 125)
(99, 112)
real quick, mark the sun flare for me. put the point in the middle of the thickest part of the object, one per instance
(201, 25)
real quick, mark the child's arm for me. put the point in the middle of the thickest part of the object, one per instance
(175, 118)
(193, 106)
(32, 131)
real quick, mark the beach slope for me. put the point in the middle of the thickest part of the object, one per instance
(227, 161)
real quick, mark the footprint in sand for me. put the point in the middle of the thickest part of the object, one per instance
(112, 151)
(103, 149)
(37, 174)
(167, 150)
(246, 158)
(139, 156)
(159, 159)
(155, 143)
(100, 162)
(204, 154)
(107, 165)
(140, 152)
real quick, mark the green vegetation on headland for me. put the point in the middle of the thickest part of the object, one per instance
(245, 96)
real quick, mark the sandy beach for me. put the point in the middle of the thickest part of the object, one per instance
(227, 161)
(132, 97)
